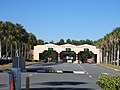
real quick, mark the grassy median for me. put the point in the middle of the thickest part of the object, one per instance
(6, 66)
(117, 68)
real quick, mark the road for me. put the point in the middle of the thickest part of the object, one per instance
(68, 76)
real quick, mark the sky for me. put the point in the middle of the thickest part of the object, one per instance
(63, 19)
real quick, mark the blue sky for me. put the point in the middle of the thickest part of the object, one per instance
(63, 19)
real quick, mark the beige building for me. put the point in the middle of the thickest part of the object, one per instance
(59, 48)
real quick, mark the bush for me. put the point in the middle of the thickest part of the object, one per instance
(109, 82)
(3, 61)
(28, 60)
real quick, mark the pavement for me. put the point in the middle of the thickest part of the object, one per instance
(66, 76)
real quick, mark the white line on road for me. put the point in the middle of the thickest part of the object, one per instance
(30, 75)
(81, 67)
(58, 71)
(85, 71)
(105, 73)
(79, 72)
(90, 76)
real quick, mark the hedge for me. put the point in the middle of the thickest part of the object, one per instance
(107, 82)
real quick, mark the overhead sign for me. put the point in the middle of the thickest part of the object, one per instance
(86, 49)
(50, 49)
(68, 49)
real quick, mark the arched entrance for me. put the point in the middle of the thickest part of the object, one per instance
(67, 55)
(87, 56)
(39, 49)
(48, 56)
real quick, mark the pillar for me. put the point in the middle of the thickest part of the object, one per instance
(76, 56)
(58, 56)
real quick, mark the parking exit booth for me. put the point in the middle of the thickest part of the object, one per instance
(19, 62)
(14, 82)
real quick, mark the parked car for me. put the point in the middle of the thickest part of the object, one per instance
(69, 61)
(116, 61)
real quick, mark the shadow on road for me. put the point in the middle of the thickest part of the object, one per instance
(59, 83)
(41, 69)
(47, 64)
(3, 85)
(60, 89)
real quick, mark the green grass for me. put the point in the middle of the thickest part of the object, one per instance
(111, 66)
(6, 66)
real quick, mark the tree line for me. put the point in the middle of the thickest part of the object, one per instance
(110, 47)
(68, 41)
(15, 40)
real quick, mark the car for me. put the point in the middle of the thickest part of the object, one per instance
(69, 61)
(117, 61)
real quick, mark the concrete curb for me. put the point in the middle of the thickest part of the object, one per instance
(111, 68)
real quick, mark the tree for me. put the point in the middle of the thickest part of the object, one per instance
(1, 37)
(68, 41)
(61, 42)
(40, 42)
(52, 42)
(110, 43)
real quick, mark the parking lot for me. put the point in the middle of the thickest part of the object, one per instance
(66, 76)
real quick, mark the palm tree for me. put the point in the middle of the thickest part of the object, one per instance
(31, 42)
(1, 37)
(116, 40)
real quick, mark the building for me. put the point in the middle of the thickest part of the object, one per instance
(60, 48)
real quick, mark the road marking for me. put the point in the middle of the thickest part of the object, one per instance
(79, 72)
(81, 67)
(90, 76)
(58, 71)
(105, 73)
(30, 75)
(85, 71)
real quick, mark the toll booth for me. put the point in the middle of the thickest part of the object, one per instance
(19, 62)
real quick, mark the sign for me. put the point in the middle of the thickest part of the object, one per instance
(68, 49)
(86, 49)
(50, 49)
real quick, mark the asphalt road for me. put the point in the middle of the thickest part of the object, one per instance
(68, 77)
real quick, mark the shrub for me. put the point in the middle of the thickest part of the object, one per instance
(107, 82)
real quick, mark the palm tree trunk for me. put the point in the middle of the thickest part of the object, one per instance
(114, 54)
(11, 50)
(16, 50)
(0, 48)
(118, 52)
(106, 54)
(19, 49)
(22, 52)
(28, 49)
(6, 49)
(25, 51)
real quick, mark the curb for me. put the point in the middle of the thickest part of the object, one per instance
(111, 68)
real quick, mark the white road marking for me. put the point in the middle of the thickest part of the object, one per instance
(85, 71)
(30, 75)
(58, 71)
(105, 73)
(79, 72)
(81, 67)
(90, 76)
